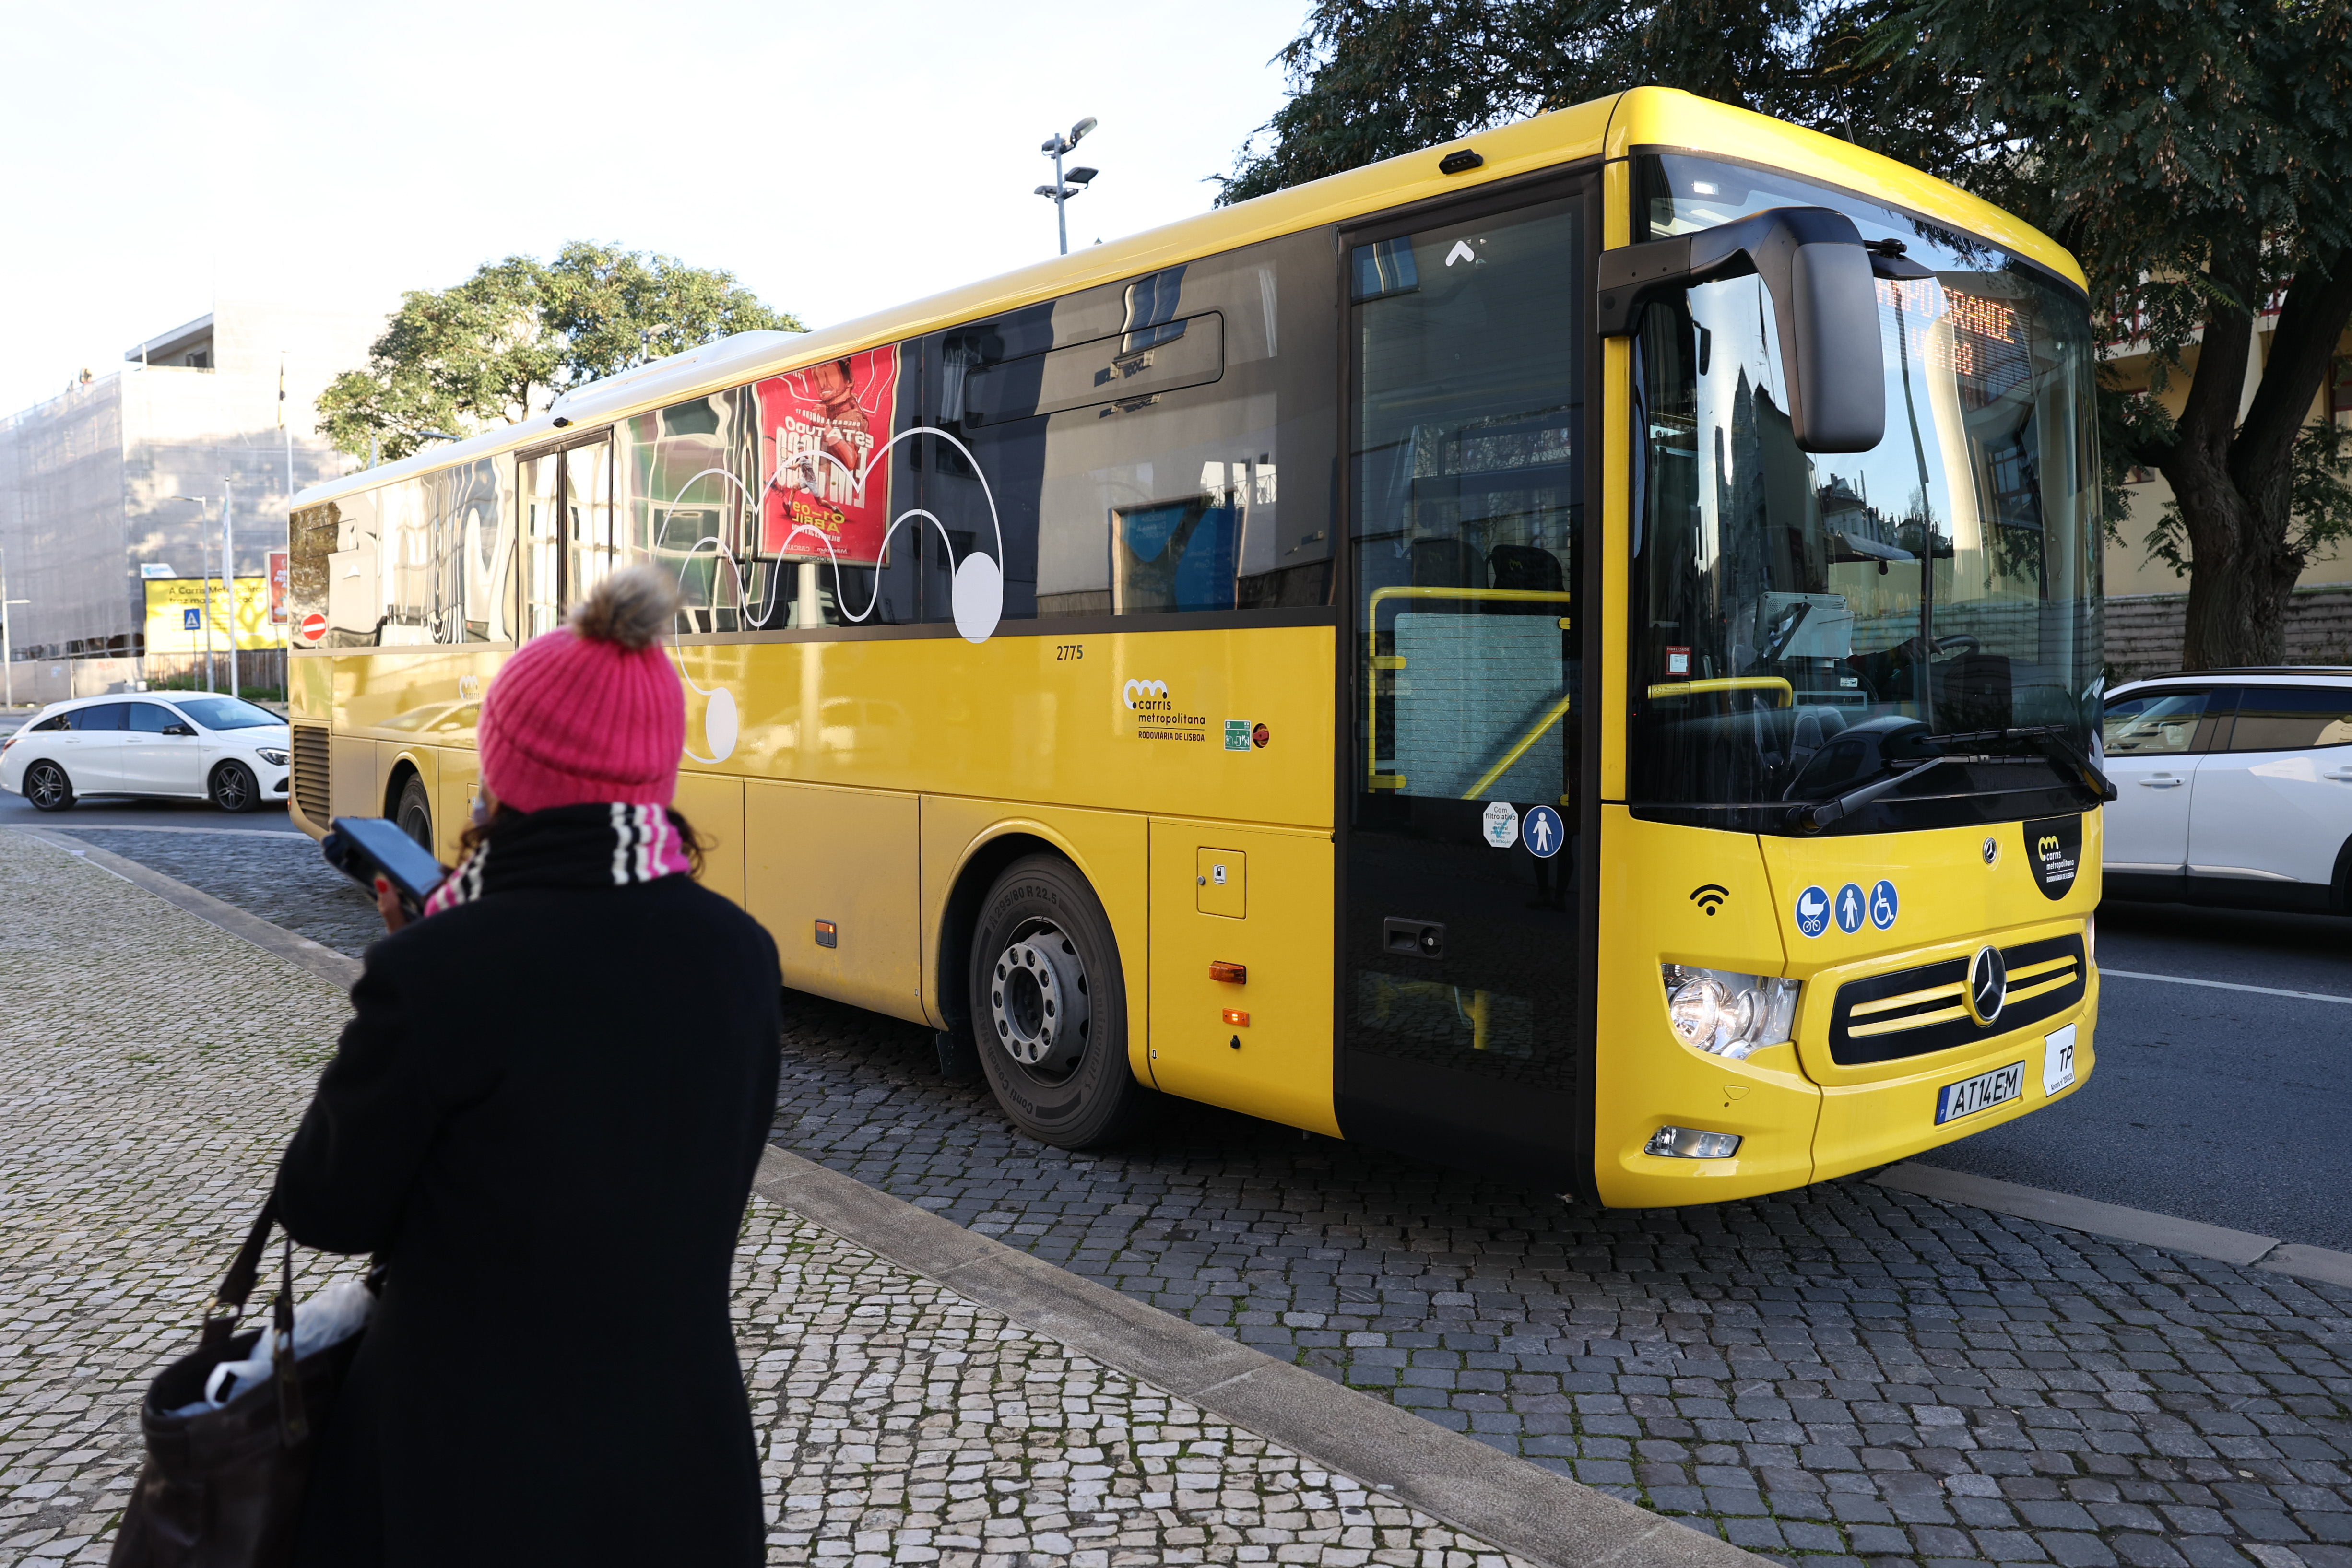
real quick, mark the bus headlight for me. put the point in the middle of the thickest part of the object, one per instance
(1729, 1014)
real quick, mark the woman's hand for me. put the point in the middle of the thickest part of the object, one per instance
(387, 903)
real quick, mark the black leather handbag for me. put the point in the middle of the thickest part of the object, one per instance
(223, 1488)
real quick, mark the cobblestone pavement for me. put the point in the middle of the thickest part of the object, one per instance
(905, 1425)
(1844, 1371)
(150, 1068)
(284, 880)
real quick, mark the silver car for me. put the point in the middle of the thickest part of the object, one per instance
(2233, 787)
(183, 744)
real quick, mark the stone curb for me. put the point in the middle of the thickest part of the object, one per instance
(2242, 1248)
(1480, 1490)
(300, 951)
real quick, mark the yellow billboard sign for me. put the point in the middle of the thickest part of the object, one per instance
(177, 616)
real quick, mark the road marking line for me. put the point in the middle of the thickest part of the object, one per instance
(2226, 986)
(2139, 1226)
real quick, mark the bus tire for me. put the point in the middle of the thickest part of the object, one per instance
(415, 811)
(1049, 1007)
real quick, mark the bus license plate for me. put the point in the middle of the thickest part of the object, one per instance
(1980, 1093)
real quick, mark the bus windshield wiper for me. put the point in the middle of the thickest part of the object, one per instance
(1813, 818)
(2050, 739)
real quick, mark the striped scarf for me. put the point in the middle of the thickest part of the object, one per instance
(605, 845)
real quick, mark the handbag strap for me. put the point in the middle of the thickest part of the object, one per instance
(227, 1305)
(243, 1269)
(293, 1421)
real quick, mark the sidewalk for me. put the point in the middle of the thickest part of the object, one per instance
(150, 1066)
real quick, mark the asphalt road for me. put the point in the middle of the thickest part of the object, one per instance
(121, 811)
(2221, 1105)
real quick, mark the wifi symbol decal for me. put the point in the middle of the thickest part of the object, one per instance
(1708, 896)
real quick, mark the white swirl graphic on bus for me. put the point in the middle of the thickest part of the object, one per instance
(977, 584)
(1141, 691)
(976, 588)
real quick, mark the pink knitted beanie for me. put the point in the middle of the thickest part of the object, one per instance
(593, 712)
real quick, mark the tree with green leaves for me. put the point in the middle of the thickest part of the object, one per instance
(1373, 78)
(503, 344)
(2195, 154)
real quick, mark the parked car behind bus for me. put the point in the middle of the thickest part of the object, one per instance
(2234, 787)
(191, 745)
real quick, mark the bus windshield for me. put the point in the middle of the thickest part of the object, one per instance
(1804, 623)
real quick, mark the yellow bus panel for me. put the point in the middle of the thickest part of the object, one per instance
(1258, 900)
(836, 875)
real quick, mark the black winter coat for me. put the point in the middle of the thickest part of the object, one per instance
(545, 1117)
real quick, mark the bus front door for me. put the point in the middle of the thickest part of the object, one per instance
(1460, 1038)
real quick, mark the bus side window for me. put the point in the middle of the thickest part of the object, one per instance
(1169, 450)
(685, 476)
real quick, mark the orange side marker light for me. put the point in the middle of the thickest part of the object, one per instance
(1236, 1017)
(1231, 973)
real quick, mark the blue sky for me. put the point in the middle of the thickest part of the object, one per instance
(837, 158)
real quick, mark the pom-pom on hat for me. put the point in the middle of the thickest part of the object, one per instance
(591, 711)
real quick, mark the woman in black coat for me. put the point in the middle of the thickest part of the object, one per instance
(544, 1120)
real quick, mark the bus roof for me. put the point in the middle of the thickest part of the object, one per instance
(1644, 118)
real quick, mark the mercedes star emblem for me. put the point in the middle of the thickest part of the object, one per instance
(1991, 850)
(1988, 986)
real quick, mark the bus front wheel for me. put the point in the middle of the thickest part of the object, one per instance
(1049, 1007)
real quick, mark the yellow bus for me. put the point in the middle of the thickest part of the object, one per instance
(1575, 652)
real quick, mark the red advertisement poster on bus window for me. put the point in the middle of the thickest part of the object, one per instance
(278, 559)
(819, 429)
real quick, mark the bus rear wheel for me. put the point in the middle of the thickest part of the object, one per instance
(415, 811)
(1049, 1007)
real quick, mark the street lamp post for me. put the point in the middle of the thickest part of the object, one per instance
(1055, 146)
(228, 581)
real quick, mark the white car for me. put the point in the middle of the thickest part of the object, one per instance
(2233, 787)
(188, 744)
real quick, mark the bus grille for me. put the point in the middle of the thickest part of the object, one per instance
(310, 798)
(1912, 1012)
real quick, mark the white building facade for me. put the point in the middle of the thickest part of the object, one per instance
(88, 479)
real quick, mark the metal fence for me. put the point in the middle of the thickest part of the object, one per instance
(38, 681)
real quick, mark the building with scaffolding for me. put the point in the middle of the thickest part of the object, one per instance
(92, 480)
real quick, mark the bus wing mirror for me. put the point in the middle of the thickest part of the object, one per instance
(1824, 302)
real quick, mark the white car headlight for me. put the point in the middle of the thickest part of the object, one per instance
(271, 755)
(1724, 1013)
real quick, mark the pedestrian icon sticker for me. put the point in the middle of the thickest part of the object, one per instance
(1884, 906)
(1849, 908)
(1813, 912)
(1501, 825)
(1543, 831)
